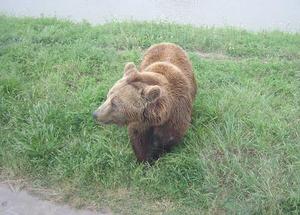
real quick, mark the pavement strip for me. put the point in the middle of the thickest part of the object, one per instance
(20, 202)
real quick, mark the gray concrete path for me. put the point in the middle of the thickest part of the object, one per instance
(14, 202)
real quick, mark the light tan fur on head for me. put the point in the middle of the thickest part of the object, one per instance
(132, 100)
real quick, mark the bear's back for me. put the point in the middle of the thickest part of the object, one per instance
(171, 53)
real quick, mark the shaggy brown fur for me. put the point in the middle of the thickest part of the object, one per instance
(155, 103)
(168, 52)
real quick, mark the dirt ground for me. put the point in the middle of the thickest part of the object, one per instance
(20, 202)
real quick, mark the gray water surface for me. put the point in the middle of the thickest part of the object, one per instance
(254, 15)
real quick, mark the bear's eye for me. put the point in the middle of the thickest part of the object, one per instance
(113, 104)
(141, 91)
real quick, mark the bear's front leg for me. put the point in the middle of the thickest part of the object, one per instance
(165, 137)
(142, 143)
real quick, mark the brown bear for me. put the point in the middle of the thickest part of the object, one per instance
(154, 102)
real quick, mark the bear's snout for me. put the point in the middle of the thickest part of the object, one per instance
(100, 118)
(103, 114)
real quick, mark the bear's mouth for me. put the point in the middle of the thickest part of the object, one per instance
(105, 122)
(109, 122)
(100, 122)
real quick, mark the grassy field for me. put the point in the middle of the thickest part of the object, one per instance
(240, 156)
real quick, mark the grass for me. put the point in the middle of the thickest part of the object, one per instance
(240, 156)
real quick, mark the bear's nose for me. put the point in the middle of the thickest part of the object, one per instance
(94, 115)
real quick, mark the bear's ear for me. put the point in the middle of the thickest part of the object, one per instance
(129, 65)
(129, 69)
(152, 93)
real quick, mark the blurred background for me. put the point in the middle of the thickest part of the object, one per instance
(256, 15)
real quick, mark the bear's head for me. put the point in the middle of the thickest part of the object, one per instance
(132, 100)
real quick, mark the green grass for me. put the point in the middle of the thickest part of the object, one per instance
(240, 156)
